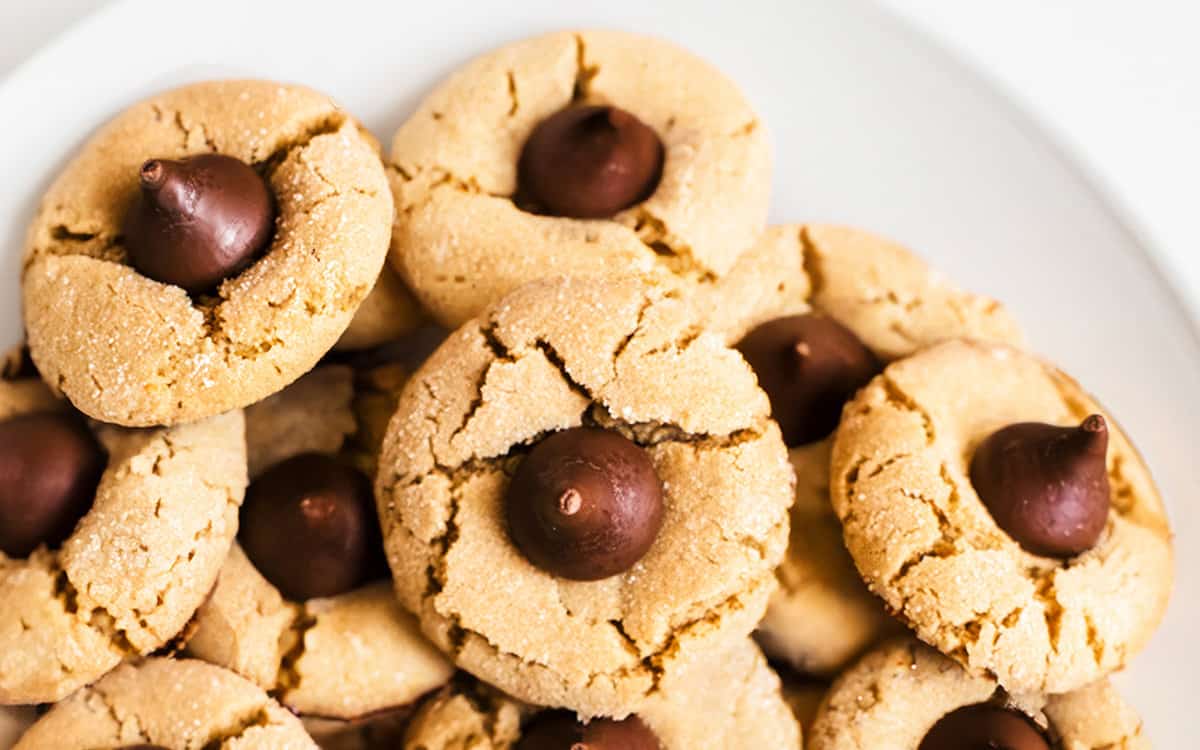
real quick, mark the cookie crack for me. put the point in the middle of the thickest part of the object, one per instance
(97, 617)
(896, 396)
(512, 94)
(811, 264)
(287, 675)
(236, 729)
(584, 73)
(670, 251)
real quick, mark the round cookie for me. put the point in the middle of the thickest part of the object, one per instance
(894, 696)
(882, 291)
(388, 313)
(823, 616)
(617, 354)
(129, 350)
(180, 704)
(925, 542)
(728, 699)
(137, 565)
(462, 240)
(341, 657)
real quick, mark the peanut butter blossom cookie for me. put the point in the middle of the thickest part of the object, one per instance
(172, 704)
(109, 538)
(574, 153)
(203, 250)
(581, 493)
(1002, 513)
(728, 699)
(302, 606)
(832, 305)
(903, 695)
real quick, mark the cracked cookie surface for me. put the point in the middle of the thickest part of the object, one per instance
(823, 616)
(129, 350)
(461, 242)
(887, 295)
(182, 704)
(925, 543)
(615, 353)
(894, 695)
(727, 699)
(137, 565)
(341, 657)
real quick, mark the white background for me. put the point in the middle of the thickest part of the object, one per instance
(1116, 83)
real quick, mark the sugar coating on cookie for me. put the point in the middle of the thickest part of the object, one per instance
(129, 350)
(893, 696)
(137, 565)
(617, 354)
(173, 703)
(460, 240)
(823, 616)
(340, 657)
(926, 544)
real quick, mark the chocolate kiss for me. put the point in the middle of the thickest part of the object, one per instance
(985, 727)
(590, 162)
(198, 221)
(585, 504)
(1047, 486)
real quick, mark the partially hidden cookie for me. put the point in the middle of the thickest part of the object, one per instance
(729, 699)
(614, 371)
(953, 468)
(676, 179)
(891, 298)
(157, 194)
(388, 313)
(903, 695)
(890, 304)
(179, 704)
(343, 655)
(14, 721)
(111, 537)
(466, 715)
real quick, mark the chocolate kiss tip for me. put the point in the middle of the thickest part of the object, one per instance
(1094, 423)
(152, 173)
(618, 118)
(570, 502)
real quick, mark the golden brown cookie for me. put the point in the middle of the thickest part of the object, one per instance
(466, 715)
(136, 566)
(462, 242)
(897, 693)
(619, 355)
(130, 350)
(386, 314)
(823, 616)
(882, 291)
(729, 698)
(926, 543)
(341, 657)
(180, 704)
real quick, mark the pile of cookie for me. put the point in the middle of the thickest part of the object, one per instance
(530, 434)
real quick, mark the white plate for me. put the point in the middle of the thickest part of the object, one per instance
(872, 126)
